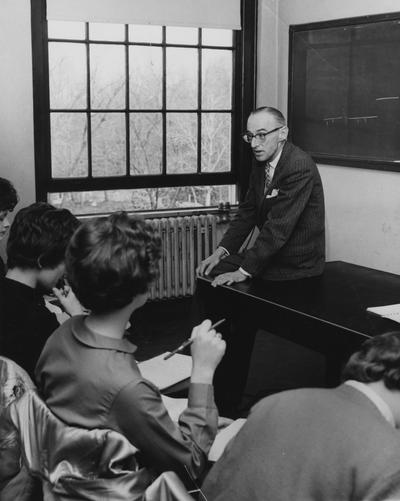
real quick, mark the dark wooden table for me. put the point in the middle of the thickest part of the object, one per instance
(326, 314)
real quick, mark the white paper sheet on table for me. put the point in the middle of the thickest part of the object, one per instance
(165, 373)
(391, 311)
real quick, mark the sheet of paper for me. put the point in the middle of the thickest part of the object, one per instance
(175, 406)
(391, 311)
(165, 373)
(222, 439)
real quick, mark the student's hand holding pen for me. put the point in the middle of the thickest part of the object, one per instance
(207, 350)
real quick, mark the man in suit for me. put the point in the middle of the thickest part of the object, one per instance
(285, 201)
(321, 444)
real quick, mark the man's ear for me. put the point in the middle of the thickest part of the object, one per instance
(283, 133)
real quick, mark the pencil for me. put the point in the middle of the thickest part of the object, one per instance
(188, 342)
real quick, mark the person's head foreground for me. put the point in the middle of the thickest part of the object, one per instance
(39, 236)
(266, 132)
(8, 200)
(377, 364)
(378, 359)
(112, 261)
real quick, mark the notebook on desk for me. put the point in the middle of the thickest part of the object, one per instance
(165, 373)
(390, 311)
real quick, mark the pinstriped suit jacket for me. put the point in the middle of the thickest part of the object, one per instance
(291, 243)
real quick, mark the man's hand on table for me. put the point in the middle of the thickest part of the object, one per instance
(229, 278)
(210, 262)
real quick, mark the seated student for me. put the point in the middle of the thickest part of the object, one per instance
(321, 444)
(8, 200)
(36, 247)
(87, 372)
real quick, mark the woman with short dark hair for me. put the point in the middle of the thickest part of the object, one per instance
(36, 247)
(378, 359)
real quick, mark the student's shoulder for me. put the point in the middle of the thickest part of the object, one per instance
(292, 399)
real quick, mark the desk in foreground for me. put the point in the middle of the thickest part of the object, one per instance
(326, 314)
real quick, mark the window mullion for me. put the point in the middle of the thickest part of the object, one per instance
(88, 102)
(199, 103)
(164, 102)
(127, 105)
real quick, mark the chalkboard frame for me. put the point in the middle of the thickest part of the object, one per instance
(295, 92)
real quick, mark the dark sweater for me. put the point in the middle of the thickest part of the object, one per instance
(25, 323)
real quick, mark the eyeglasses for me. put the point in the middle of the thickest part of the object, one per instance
(260, 136)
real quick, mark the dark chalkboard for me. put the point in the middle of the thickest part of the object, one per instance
(344, 91)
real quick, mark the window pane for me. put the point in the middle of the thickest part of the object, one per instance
(107, 32)
(108, 144)
(145, 33)
(66, 29)
(216, 37)
(182, 35)
(67, 73)
(182, 197)
(217, 79)
(181, 143)
(69, 152)
(216, 142)
(146, 143)
(182, 69)
(145, 73)
(107, 75)
(96, 202)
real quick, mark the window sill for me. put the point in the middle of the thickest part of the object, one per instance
(195, 211)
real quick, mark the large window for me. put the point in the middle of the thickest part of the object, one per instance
(137, 117)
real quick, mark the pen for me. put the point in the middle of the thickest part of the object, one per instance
(188, 342)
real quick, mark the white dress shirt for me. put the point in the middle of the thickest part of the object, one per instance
(376, 399)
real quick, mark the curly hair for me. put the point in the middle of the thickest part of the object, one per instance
(39, 236)
(378, 359)
(109, 261)
(8, 195)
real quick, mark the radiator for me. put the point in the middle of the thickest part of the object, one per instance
(186, 241)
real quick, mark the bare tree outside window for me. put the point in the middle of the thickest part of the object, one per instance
(140, 102)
